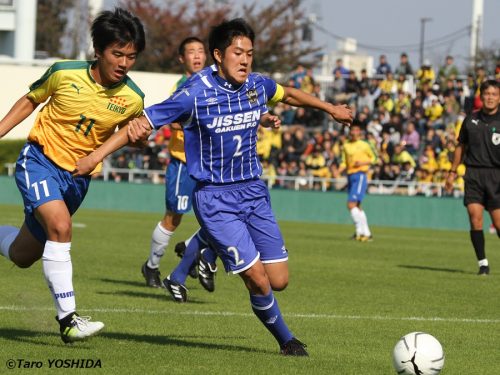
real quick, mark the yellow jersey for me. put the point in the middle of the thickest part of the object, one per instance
(80, 114)
(176, 143)
(357, 151)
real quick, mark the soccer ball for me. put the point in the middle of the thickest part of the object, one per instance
(418, 353)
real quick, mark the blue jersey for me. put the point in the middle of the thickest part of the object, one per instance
(220, 124)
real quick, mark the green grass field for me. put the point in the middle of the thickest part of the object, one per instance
(350, 302)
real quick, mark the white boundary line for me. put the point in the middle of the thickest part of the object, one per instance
(289, 315)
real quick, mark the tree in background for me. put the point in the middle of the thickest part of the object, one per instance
(51, 22)
(279, 26)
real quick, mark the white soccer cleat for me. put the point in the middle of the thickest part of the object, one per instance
(78, 328)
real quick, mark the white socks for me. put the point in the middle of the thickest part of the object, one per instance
(360, 222)
(58, 270)
(7, 235)
(159, 241)
(483, 262)
(365, 230)
(356, 218)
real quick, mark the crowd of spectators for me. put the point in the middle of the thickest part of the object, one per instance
(411, 118)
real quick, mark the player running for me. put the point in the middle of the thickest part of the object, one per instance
(87, 101)
(220, 113)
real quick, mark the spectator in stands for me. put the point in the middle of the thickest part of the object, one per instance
(448, 71)
(402, 156)
(365, 99)
(411, 139)
(338, 88)
(425, 74)
(352, 85)
(339, 67)
(402, 105)
(404, 66)
(383, 67)
(364, 80)
(297, 76)
(389, 85)
(402, 84)
(308, 82)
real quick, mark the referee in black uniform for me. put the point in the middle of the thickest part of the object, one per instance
(479, 148)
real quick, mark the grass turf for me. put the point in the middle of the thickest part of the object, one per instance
(349, 301)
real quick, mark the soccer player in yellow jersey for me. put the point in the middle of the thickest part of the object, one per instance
(87, 101)
(357, 157)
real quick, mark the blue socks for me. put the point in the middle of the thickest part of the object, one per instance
(267, 310)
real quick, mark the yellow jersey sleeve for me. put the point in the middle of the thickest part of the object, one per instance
(176, 143)
(80, 114)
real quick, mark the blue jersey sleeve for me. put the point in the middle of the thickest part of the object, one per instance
(177, 108)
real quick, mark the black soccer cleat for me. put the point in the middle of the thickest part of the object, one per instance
(206, 273)
(176, 290)
(295, 348)
(484, 271)
(180, 249)
(151, 275)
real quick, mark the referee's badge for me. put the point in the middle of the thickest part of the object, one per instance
(495, 138)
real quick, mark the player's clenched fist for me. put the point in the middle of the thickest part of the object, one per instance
(138, 129)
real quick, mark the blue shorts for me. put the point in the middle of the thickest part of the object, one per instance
(356, 186)
(239, 223)
(179, 187)
(40, 181)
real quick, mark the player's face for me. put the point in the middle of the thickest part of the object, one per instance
(114, 63)
(236, 62)
(491, 99)
(194, 57)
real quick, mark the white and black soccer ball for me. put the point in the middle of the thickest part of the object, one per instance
(418, 353)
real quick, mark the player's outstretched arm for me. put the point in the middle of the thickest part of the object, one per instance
(19, 111)
(136, 130)
(298, 98)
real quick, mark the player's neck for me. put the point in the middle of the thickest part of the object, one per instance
(223, 82)
(489, 112)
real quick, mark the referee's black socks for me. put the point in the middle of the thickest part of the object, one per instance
(477, 238)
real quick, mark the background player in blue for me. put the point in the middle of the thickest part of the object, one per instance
(220, 113)
(179, 189)
(80, 114)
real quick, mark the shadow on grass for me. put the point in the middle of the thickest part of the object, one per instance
(36, 338)
(124, 282)
(161, 294)
(183, 343)
(53, 340)
(438, 269)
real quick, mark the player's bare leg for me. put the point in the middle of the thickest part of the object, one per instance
(26, 249)
(277, 274)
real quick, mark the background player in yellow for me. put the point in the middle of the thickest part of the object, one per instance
(87, 101)
(357, 157)
(179, 185)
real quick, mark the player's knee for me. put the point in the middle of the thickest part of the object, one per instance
(60, 231)
(280, 284)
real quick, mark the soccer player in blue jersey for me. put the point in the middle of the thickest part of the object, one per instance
(178, 196)
(86, 101)
(220, 113)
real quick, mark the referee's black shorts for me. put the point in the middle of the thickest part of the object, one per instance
(482, 185)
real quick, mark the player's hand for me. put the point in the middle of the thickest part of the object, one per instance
(450, 181)
(342, 113)
(85, 166)
(271, 121)
(138, 130)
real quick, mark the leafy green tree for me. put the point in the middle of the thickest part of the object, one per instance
(51, 22)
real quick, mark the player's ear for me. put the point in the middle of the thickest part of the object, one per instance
(218, 56)
(181, 59)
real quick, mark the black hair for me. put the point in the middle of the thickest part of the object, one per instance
(188, 40)
(222, 35)
(487, 84)
(118, 26)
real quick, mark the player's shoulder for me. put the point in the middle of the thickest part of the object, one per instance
(62, 68)
(128, 82)
(259, 77)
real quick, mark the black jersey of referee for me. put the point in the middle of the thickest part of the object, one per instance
(481, 134)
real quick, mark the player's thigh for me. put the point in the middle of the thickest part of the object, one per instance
(26, 249)
(55, 218)
(356, 186)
